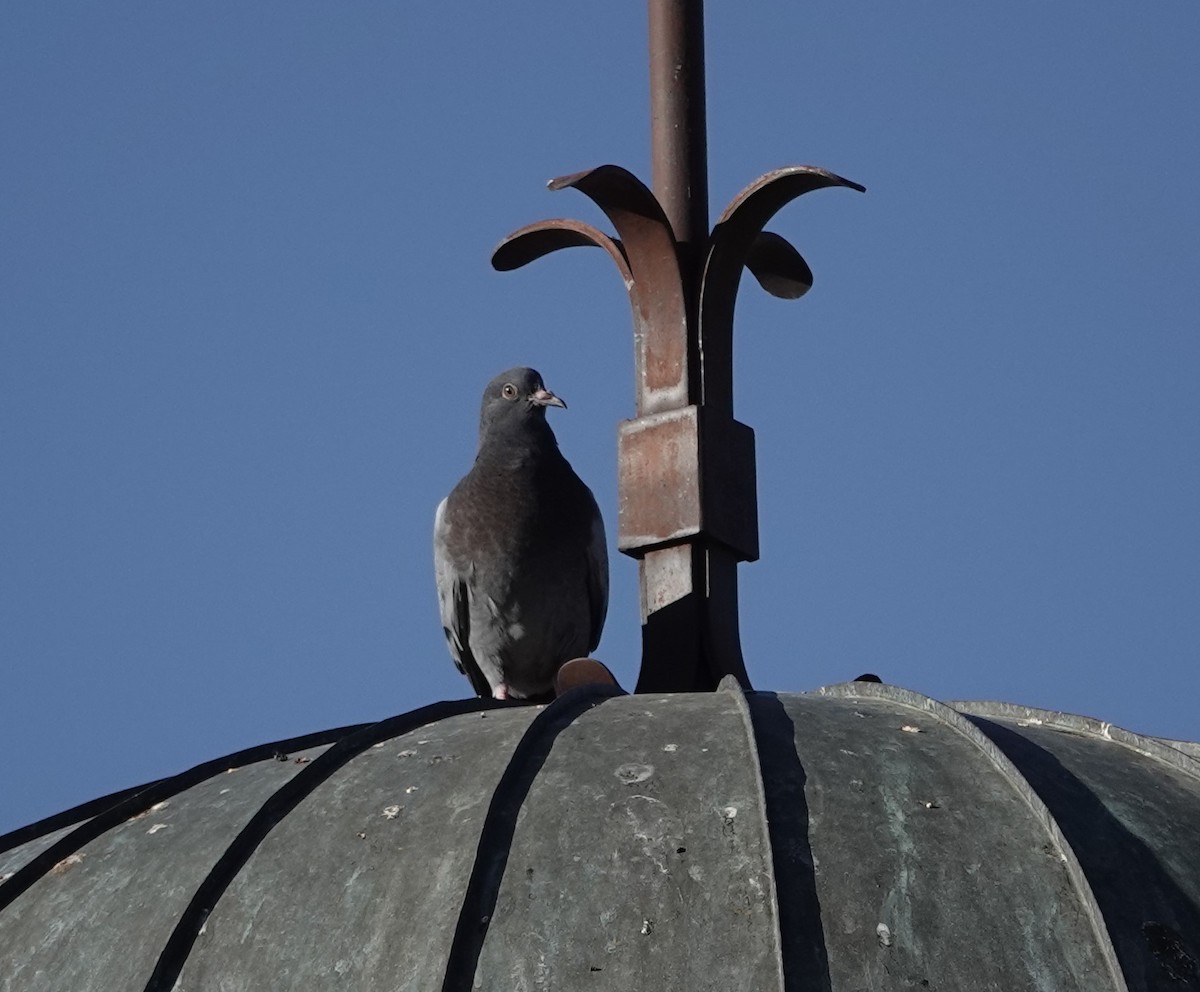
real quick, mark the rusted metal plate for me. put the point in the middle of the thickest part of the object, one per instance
(658, 480)
(686, 473)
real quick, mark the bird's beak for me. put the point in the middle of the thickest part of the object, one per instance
(543, 397)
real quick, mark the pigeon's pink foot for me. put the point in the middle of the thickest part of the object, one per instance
(500, 692)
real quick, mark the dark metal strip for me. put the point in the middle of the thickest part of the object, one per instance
(804, 953)
(1153, 747)
(67, 817)
(731, 686)
(110, 811)
(499, 825)
(179, 945)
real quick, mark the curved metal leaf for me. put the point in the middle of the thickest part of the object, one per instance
(763, 198)
(656, 286)
(778, 267)
(545, 236)
(737, 240)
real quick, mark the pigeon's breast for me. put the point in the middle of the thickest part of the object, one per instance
(521, 521)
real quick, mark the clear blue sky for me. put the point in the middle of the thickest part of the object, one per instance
(246, 311)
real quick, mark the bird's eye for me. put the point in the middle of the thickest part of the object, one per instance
(509, 392)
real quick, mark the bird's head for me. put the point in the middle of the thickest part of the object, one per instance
(515, 401)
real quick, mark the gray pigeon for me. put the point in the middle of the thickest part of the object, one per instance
(519, 550)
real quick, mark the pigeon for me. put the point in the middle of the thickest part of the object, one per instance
(519, 550)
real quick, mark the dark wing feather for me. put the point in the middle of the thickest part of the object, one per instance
(454, 605)
(597, 576)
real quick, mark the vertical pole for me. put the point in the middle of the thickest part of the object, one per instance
(678, 131)
(689, 591)
(679, 150)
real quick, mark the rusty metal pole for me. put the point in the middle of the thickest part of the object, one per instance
(678, 128)
(687, 497)
(688, 591)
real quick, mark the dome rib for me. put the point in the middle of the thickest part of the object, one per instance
(129, 803)
(957, 722)
(175, 953)
(1190, 749)
(730, 685)
(68, 817)
(803, 952)
(1112, 790)
(499, 825)
(1175, 754)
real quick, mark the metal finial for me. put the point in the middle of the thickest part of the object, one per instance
(688, 502)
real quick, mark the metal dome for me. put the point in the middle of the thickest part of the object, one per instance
(861, 836)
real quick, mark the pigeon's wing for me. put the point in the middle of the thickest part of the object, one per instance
(597, 576)
(454, 605)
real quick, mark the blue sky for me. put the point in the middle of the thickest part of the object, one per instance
(247, 312)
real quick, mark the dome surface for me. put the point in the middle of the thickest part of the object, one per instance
(861, 836)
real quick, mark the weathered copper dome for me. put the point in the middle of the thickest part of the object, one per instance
(862, 836)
